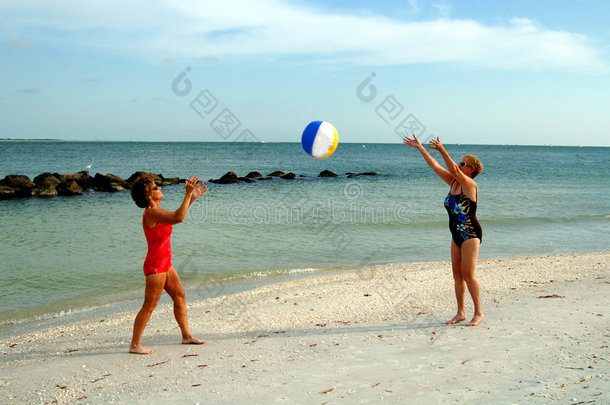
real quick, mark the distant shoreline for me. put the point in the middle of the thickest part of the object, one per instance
(34, 140)
(31, 140)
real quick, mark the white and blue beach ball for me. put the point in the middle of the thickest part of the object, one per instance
(320, 139)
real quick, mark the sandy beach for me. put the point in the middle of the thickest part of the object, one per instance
(365, 336)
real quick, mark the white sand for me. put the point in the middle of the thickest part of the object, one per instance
(364, 336)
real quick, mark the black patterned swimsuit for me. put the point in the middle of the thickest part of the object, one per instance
(463, 222)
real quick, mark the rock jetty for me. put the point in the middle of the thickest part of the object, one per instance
(48, 185)
(55, 184)
(327, 173)
(252, 177)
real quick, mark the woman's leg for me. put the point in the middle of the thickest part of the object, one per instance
(173, 286)
(152, 294)
(470, 253)
(459, 284)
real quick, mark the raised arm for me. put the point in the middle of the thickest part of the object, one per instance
(193, 189)
(468, 184)
(438, 169)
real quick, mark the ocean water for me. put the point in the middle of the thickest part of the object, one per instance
(65, 253)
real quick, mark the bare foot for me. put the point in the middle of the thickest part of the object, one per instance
(140, 350)
(192, 341)
(477, 319)
(456, 319)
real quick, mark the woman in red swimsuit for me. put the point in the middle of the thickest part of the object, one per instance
(461, 205)
(158, 269)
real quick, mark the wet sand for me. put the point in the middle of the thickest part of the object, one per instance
(368, 335)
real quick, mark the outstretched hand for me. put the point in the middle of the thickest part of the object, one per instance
(436, 144)
(414, 143)
(195, 188)
(199, 191)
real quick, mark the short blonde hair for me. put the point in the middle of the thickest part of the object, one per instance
(475, 163)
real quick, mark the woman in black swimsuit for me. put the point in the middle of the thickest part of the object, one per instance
(466, 232)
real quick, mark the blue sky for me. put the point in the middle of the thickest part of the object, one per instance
(501, 72)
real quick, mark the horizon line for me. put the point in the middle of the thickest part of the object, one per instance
(296, 142)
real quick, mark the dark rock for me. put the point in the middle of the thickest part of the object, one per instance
(254, 175)
(45, 177)
(247, 180)
(327, 173)
(22, 185)
(69, 188)
(83, 179)
(277, 173)
(351, 175)
(168, 181)
(158, 179)
(367, 174)
(109, 183)
(17, 180)
(288, 176)
(6, 192)
(265, 178)
(228, 178)
(46, 185)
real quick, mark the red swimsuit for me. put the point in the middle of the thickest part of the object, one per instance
(159, 257)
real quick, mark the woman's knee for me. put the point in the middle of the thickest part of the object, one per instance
(469, 277)
(177, 294)
(457, 277)
(149, 305)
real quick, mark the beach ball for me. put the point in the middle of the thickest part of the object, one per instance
(320, 139)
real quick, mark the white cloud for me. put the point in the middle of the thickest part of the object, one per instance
(222, 28)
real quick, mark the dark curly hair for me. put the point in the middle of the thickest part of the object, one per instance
(140, 189)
